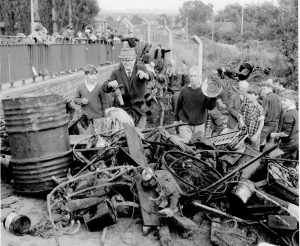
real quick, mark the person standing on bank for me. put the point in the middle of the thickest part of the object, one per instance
(272, 111)
(234, 105)
(289, 126)
(89, 95)
(192, 106)
(131, 78)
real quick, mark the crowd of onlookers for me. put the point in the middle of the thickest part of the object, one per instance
(66, 35)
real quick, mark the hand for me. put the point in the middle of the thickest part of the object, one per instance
(221, 104)
(175, 122)
(84, 101)
(113, 84)
(274, 135)
(254, 138)
(142, 75)
(166, 212)
(241, 122)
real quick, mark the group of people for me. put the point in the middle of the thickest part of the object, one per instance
(265, 115)
(66, 35)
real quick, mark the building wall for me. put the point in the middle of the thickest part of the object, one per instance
(66, 86)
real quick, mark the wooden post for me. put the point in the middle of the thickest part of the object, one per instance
(9, 72)
(55, 28)
(70, 12)
(31, 16)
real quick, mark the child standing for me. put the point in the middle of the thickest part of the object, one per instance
(90, 96)
(289, 126)
(251, 115)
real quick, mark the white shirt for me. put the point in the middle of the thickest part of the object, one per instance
(129, 73)
(90, 86)
(292, 107)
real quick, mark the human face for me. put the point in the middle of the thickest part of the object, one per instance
(194, 79)
(91, 77)
(286, 103)
(243, 89)
(253, 98)
(128, 63)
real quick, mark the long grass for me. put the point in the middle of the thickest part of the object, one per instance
(216, 55)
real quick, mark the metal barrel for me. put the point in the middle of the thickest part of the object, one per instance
(37, 128)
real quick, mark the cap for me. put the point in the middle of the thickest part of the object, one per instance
(266, 83)
(127, 53)
(289, 94)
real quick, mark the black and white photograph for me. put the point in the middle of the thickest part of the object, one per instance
(149, 123)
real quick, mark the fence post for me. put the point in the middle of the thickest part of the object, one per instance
(9, 72)
(170, 40)
(148, 30)
(200, 54)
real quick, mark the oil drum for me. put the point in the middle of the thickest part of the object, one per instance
(37, 128)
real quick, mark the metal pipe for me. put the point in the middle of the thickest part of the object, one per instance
(230, 175)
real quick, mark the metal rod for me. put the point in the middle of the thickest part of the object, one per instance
(228, 176)
(221, 213)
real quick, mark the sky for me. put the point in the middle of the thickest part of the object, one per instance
(108, 5)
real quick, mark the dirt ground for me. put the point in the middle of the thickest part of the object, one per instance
(124, 232)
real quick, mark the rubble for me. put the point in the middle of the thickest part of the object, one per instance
(174, 187)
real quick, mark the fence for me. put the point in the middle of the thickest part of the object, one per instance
(20, 62)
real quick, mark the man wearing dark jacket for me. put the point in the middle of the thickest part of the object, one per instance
(160, 53)
(131, 40)
(131, 78)
(272, 111)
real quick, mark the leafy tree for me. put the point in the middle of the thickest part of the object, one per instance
(83, 12)
(161, 21)
(136, 20)
(16, 16)
(231, 13)
(197, 13)
(45, 12)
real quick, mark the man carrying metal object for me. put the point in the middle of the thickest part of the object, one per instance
(192, 106)
(131, 78)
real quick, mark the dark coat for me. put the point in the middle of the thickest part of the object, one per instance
(133, 89)
(163, 52)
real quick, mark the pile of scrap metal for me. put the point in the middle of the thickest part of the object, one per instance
(169, 182)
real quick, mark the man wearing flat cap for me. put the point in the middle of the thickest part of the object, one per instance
(131, 78)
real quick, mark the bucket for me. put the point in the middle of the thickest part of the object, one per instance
(17, 224)
(37, 128)
(101, 216)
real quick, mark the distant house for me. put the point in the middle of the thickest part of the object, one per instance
(100, 24)
(224, 27)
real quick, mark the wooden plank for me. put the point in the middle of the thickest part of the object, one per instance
(134, 142)
(149, 209)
